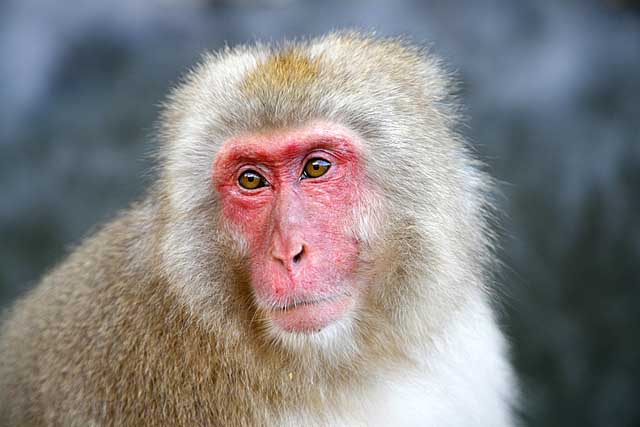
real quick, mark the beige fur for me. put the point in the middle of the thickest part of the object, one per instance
(151, 321)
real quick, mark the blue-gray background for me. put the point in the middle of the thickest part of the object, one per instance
(552, 89)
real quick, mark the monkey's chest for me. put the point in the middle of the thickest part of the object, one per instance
(401, 402)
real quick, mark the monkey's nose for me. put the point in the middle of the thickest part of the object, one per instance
(289, 256)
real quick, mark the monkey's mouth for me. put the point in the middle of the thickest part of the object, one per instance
(311, 315)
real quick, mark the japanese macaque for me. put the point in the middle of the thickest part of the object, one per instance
(315, 251)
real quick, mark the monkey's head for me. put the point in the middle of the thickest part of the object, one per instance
(316, 193)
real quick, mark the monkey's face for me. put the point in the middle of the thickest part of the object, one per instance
(280, 225)
(291, 194)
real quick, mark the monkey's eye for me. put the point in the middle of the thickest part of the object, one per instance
(251, 180)
(315, 168)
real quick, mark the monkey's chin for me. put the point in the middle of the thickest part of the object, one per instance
(312, 316)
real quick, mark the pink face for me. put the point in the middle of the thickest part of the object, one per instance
(292, 195)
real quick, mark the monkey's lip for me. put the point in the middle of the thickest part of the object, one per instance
(312, 315)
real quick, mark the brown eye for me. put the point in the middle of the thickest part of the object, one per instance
(315, 168)
(251, 180)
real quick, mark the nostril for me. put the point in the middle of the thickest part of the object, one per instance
(297, 256)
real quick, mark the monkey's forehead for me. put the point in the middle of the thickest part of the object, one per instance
(275, 85)
(329, 59)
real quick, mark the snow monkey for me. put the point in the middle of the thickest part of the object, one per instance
(314, 251)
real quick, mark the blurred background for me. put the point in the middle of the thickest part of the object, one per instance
(552, 89)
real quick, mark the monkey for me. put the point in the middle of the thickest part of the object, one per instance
(316, 249)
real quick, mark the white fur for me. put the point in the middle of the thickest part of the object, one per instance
(463, 380)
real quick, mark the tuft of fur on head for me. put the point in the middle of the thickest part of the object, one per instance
(425, 221)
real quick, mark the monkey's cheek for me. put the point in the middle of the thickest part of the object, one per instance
(312, 317)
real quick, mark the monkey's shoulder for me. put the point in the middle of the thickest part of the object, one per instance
(94, 284)
(97, 331)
